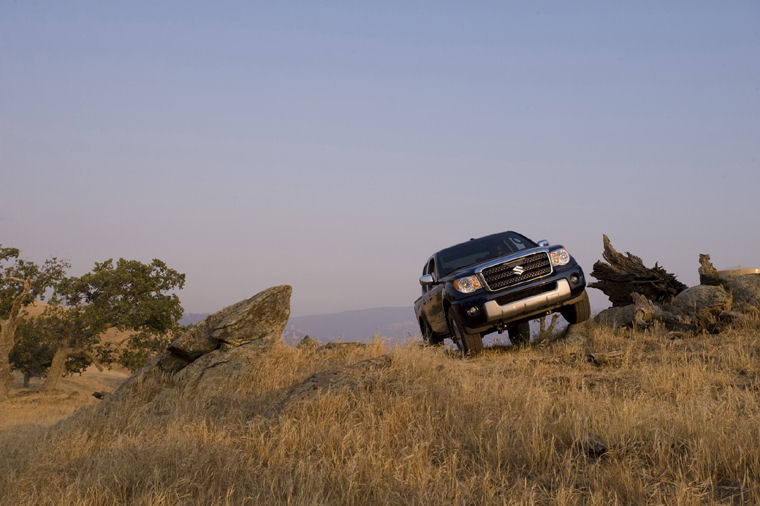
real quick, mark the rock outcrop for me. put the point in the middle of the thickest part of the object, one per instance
(307, 343)
(745, 290)
(347, 377)
(260, 320)
(722, 299)
(217, 349)
(697, 299)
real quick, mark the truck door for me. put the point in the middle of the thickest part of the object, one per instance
(434, 302)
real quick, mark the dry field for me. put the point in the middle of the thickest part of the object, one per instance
(30, 406)
(662, 421)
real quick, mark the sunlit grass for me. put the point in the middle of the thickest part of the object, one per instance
(680, 420)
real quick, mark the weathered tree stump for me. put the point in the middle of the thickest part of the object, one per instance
(708, 274)
(623, 275)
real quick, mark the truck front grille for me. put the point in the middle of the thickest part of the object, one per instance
(517, 271)
(524, 294)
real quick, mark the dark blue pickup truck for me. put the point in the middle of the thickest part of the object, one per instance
(495, 283)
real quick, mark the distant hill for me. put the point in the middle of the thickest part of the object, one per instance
(359, 325)
(191, 318)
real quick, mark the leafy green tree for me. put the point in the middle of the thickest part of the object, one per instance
(31, 355)
(36, 341)
(21, 283)
(68, 332)
(128, 295)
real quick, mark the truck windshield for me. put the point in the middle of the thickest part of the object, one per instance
(481, 250)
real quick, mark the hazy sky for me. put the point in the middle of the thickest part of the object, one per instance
(335, 145)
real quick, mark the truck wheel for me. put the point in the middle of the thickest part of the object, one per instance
(428, 336)
(468, 344)
(578, 312)
(519, 334)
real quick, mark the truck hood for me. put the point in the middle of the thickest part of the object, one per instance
(469, 270)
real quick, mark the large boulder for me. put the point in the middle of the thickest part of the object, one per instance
(346, 377)
(213, 372)
(261, 318)
(700, 298)
(745, 291)
(217, 349)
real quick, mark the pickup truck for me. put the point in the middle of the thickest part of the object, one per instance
(495, 283)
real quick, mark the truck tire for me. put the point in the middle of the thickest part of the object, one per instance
(468, 344)
(519, 333)
(428, 336)
(578, 312)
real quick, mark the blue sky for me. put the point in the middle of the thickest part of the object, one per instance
(335, 145)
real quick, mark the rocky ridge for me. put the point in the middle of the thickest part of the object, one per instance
(211, 355)
(642, 297)
(215, 350)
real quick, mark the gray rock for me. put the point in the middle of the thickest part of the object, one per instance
(349, 376)
(578, 334)
(215, 371)
(619, 316)
(262, 317)
(745, 291)
(194, 342)
(308, 344)
(206, 359)
(198, 359)
(697, 299)
(170, 363)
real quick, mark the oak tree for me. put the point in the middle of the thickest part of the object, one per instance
(32, 354)
(127, 294)
(21, 283)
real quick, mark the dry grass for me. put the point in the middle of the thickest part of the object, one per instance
(680, 420)
(31, 406)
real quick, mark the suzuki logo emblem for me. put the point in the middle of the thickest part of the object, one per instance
(518, 270)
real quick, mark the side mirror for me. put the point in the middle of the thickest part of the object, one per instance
(427, 279)
(543, 243)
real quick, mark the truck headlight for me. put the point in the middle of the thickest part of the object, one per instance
(560, 257)
(467, 285)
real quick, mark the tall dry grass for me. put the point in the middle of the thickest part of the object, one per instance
(680, 420)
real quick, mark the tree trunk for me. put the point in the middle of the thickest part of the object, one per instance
(27, 377)
(7, 335)
(56, 370)
(5, 375)
(6, 345)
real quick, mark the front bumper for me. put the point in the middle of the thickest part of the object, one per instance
(485, 311)
(496, 312)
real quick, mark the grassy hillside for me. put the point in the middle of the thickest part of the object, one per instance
(649, 419)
